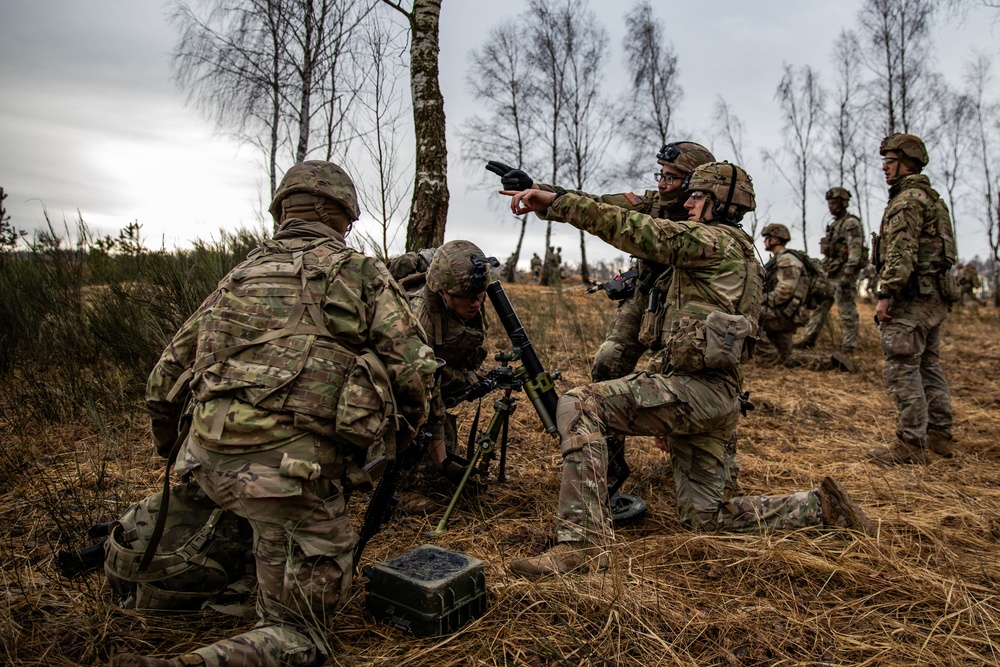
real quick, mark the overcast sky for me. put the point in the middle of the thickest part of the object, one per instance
(90, 119)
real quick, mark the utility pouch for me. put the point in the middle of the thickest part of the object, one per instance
(366, 405)
(686, 344)
(724, 339)
(651, 326)
(926, 285)
(950, 291)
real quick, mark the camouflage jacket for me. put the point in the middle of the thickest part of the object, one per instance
(915, 238)
(714, 270)
(275, 385)
(460, 343)
(843, 246)
(786, 288)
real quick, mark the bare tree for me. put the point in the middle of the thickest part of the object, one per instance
(954, 145)
(898, 37)
(731, 128)
(587, 134)
(848, 162)
(429, 207)
(548, 56)
(986, 127)
(800, 98)
(379, 117)
(265, 69)
(652, 66)
(501, 84)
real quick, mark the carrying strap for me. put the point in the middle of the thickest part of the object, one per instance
(161, 518)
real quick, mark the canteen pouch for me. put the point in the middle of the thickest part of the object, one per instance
(725, 337)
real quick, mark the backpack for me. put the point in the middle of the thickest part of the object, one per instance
(820, 288)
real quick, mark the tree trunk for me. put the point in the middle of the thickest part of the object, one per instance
(429, 211)
(584, 271)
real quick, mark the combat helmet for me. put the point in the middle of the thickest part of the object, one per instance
(202, 550)
(452, 270)
(684, 155)
(729, 185)
(316, 178)
(909, 145)
(838, 193)
(779, 232)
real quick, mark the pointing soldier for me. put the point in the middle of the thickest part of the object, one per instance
(690, 395)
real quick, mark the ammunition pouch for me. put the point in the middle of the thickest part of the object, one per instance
(725, 337)
(651, 325)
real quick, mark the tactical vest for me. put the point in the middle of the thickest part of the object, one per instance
(265, 340)
(793, 310)
(834, 246)
(698, 315)
(936, 252)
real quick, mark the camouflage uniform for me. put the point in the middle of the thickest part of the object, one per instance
(695, 407)
(968, 282)
(914, 252)
(281, 395)
(785, 291)
(536, 267)
(845, 257)
(621, 349)
(460, 342)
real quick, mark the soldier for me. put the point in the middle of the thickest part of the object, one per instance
(689, 396)
(844, 258)
(624, 344)
(914, 252)
(968, 283)
(306, 353)
(536, 267)
(788, 294)
(450, 309)
(786, 288)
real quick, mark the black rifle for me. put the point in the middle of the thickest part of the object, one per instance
(384, 498)
(75, 563)
(618, 288)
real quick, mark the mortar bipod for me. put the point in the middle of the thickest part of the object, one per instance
(503, 408)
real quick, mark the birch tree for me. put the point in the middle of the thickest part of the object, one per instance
(429, 207)
(800, 98)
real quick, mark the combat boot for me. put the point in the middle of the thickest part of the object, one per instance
(940, 442)
(563, 558)
(841, 361)
(839, 510)
(133, 660)
(899, 452)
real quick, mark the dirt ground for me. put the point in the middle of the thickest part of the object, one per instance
(925, 590)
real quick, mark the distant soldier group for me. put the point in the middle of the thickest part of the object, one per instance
(310, 355)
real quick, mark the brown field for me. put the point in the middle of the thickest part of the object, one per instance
(924, 591)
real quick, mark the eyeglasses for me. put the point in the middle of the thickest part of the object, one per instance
(697, 195)
(666, 178)
(886, 161)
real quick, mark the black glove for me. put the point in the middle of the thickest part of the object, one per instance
(511, 178)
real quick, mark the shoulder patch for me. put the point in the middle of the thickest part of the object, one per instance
(632, 198)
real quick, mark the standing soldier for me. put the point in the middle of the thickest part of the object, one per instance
(305, 354)
(536, 267)
(968, 283)
(690, 395)
(914, 253)
(844, 258)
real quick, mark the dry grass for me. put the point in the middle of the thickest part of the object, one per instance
(924, 591)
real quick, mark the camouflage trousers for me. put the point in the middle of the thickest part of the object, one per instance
(621, 349)
(303, 543)
(911, 344)
(698, 416)
(846, 291)
(775, 346)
